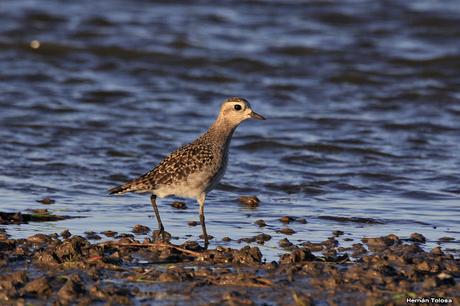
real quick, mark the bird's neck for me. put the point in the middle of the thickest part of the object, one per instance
(221, 131)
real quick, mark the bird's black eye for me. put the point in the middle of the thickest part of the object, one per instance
(237, 107)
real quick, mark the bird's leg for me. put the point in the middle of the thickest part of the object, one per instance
(153, 199)
(200, 200)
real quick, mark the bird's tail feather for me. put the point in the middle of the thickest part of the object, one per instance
(120, 189)
(132, 186)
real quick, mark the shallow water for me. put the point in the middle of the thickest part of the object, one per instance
(362, 99)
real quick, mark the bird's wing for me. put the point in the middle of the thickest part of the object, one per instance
(174, 168)
(181, 163)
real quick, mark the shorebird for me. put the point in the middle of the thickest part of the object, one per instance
(194, 169)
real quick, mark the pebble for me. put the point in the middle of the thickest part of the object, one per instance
(66, 234)
(193, 223)
(287, 219)
(39, 286)
(314, 247)
(251, 201)
(92, 235)
(157, 235)
(261, 223)
(337, 233)
(209, 236)
(39, 238)
(109, 233)
(301, 220)
(261, 238)
(285, 243)
(437, 251)
(46, 201)
(416, 237)
(140, 229)
(298, 255)
(287, 231)
(446, 239)
(39, 211)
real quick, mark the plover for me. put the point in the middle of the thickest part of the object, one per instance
(194, 169)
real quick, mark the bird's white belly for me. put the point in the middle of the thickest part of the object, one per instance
(192, 187)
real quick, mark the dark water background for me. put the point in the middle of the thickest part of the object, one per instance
(362, 99)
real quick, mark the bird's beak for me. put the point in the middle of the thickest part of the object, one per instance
(255, 115)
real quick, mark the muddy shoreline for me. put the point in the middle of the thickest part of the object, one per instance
(62, 269)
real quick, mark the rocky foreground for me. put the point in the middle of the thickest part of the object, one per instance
(66, 269)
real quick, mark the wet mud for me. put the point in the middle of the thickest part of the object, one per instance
(36, 215)
(62, 269)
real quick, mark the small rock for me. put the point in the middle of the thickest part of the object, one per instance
(285, 243)
(66, 234)
(261, 223)
(287, 219)
(192, 246)
(298, 255)
(39, 238)
(54, 235)
(437, 251)
(193, 223)
(379, 243)
(337, 233)
(287, 231)
(39, 211)
(47, 259)
(248, 255)
(39, 286)
(109, 233)
(314, 247)
(140, 229)
(301, 220)
(423, 266)
(3, 235)
(358, 250)
(446, 239)
(71, 248)
(261, 238)
(330, 242)
(156, 235)
(251, 201)
(416, 237)
(178, 205)
(226, 239)
(247, 239)
(9, 282)
(209, 237)
(393, 239)
(92, 235)
(72, 289)
(46, 201)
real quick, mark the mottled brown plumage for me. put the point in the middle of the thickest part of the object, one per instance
(176, 167)
(194, 169)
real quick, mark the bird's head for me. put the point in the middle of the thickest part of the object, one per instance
(235, 110)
